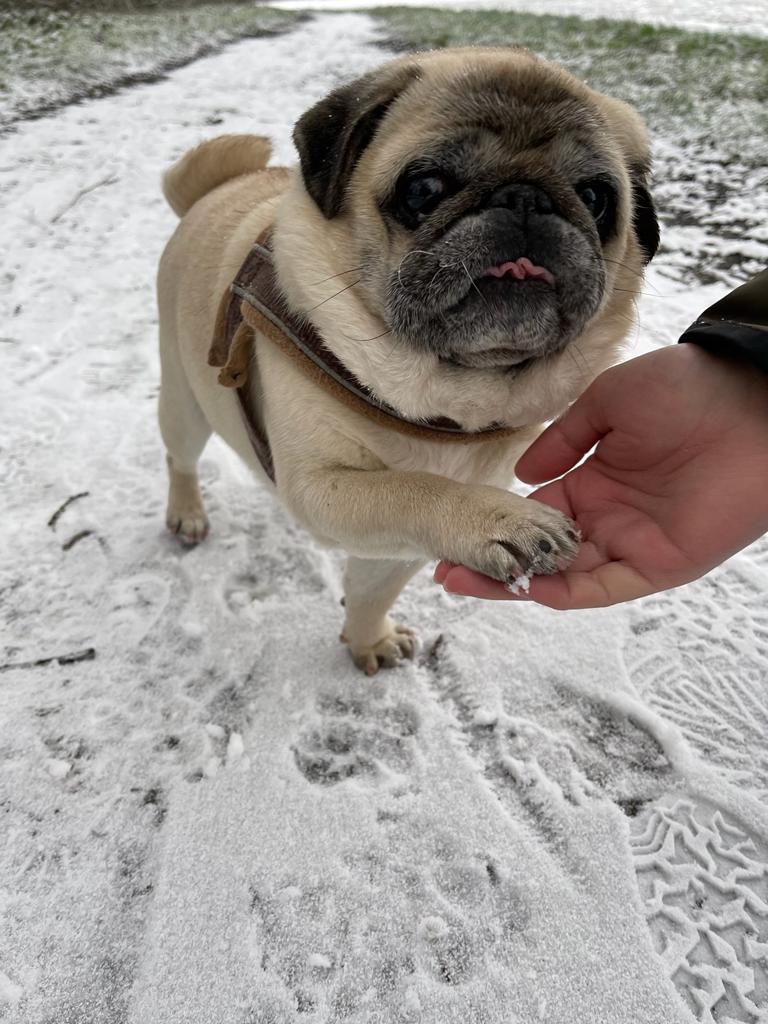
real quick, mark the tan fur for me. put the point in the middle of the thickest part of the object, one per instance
(390, 500)
(210, 164)
(234, 373)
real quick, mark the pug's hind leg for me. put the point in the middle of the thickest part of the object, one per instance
(185, 431)
(371, 586)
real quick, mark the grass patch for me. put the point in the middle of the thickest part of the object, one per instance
(703, 86)
(54, 53)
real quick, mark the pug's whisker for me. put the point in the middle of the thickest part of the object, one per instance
(417, 252)
(442, 266)
(473, 282)
(631, 320)
(643, 294)
(632, 270)
(619, 263)
(334, 296)
(584, 369)
(413, 252)
(470, 255)
(461, 259)
(365, 341)
(323, 280)
(434, 278)
(450, 264)
(394, 346)
(638, 324)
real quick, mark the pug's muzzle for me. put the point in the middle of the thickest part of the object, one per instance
(512, 281)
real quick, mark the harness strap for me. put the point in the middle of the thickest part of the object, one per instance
(255, 303)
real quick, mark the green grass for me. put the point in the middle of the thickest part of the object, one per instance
(698, 85)
(51, 54)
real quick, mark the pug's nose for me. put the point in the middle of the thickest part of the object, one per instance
(522, 198)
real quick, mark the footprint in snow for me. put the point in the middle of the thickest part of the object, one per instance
(703, 881)
(356, 737)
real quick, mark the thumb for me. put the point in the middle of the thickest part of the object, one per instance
(566, 440)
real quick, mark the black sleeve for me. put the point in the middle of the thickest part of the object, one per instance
(736, 326)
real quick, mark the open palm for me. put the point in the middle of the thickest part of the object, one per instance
(677, 483)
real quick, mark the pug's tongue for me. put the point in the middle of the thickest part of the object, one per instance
(521, 269)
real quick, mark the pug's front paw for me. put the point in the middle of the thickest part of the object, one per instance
(518, 537)
(397, 643)
(189, 523)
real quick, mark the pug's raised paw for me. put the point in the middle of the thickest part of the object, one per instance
(520, 537)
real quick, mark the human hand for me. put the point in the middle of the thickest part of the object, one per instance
(678, 481)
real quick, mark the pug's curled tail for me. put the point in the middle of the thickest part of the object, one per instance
(210, 164)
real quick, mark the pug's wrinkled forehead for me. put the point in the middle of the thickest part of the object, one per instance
(515, 100)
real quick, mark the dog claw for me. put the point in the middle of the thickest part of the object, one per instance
(388, 652)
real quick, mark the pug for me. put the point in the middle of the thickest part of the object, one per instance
(462, 241)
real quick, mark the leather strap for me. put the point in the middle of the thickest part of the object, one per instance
(254, 303)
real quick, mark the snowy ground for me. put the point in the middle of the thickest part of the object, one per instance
(54, 54)
(209, 817)
(747, 16)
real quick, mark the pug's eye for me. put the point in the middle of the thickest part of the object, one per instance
(420, 194)
(597, 197)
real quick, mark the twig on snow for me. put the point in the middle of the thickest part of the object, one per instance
(62, 508)
(74, 539)
(110, 179)
(87, 654)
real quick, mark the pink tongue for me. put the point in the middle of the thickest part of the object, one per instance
(521, 269)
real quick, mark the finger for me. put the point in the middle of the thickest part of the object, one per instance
(461, 580)
(608, 584)
(556, 496)
(441, 570)
(565, 441)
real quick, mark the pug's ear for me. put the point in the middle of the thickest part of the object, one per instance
(629, 130)
(332, 135)
(644, 219)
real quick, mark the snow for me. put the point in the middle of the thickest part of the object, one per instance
(209, 815)
(9, 992)
(750, 17)
(485, 716)
(520, 584)
(235, 748)
(58, 769)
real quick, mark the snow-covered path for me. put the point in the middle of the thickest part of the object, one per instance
(207, 815)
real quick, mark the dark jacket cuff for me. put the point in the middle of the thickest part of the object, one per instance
(736, 326)
(731, 340)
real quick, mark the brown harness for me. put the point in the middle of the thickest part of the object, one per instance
(254, 303)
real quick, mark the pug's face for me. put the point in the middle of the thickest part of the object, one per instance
(494, 202)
